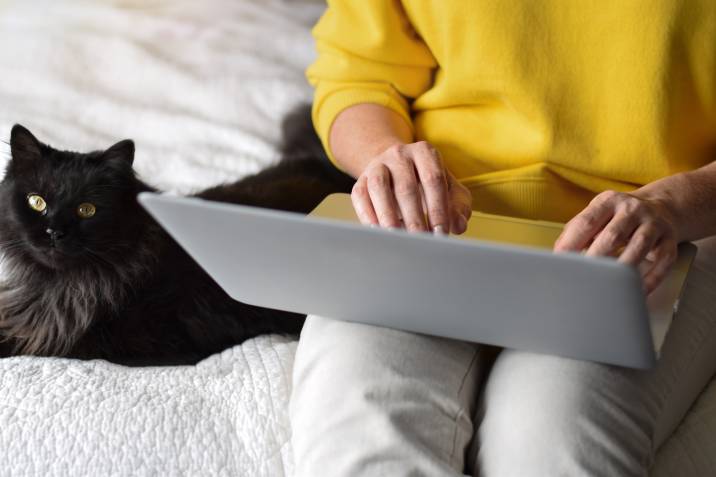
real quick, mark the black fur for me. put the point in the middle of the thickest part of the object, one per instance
(115, 286)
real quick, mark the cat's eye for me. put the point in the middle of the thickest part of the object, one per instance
(36, 202)
(86, 210)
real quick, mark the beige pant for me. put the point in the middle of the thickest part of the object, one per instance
(372, 401)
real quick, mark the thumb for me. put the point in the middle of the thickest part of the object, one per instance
(460, 205)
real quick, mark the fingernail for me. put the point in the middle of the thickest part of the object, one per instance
(463, 223)
(439, 230)
(373, 226)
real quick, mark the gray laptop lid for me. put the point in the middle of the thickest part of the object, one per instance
(662, 303)
(564, 304)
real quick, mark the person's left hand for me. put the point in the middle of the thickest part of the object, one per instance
(626, 226)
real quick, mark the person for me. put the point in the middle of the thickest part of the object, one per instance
(598, 114)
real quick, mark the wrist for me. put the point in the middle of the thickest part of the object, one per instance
(684, 200)
(364, 131)
(667, 195)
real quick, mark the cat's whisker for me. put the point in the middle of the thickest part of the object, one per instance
(7, 250)
(13, 244)
(8, 245)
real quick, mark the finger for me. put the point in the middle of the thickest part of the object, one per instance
(431, 174)
(407, 193)
(579, 231)
(381, 196)
(639, 245)
(614, 235)
(458, 223)
(361, 202)
(665, 254)
(460, 205)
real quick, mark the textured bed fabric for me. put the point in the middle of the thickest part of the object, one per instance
(227, 416)
(200, 87)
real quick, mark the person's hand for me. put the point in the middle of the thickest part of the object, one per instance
(626, 226)
(404, 184)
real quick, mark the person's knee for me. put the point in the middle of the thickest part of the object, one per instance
(324, 337)
(398, 397)
(544, 415)
(372, 352)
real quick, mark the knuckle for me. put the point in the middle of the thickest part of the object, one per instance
(611, 236)
(423, 145)
(640, 242)
(378, 177)
(386, 219)
(606, 196)
(406, 189)
(434, 154)
(611, 194)
(584, 221)
(380, 169)
(437, 215)
(634, 206)
(626, 207)
(377, 181)
(359, 190)
(394, 151)
(401, 161)
(434, 179)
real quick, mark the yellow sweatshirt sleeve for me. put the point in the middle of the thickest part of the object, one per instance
(368, 52)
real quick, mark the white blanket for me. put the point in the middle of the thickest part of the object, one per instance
(224, 417)
(201, 88)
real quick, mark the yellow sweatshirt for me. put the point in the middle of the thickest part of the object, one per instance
(535, 105)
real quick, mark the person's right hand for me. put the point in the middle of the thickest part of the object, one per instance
(404, 184)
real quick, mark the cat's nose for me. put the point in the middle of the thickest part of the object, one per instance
(55, 234)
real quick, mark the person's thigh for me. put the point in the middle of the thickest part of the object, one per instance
(544, 415)
(375, 401)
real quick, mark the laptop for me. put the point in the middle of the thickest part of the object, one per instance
(497, 284)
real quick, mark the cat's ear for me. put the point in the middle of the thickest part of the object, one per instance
(26, 150)
(122, 151)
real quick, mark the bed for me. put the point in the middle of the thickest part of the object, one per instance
(201, 88)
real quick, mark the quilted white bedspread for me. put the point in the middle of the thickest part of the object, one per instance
(201, 88)
(224, 417)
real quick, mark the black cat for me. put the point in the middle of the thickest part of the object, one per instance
(89, 274)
